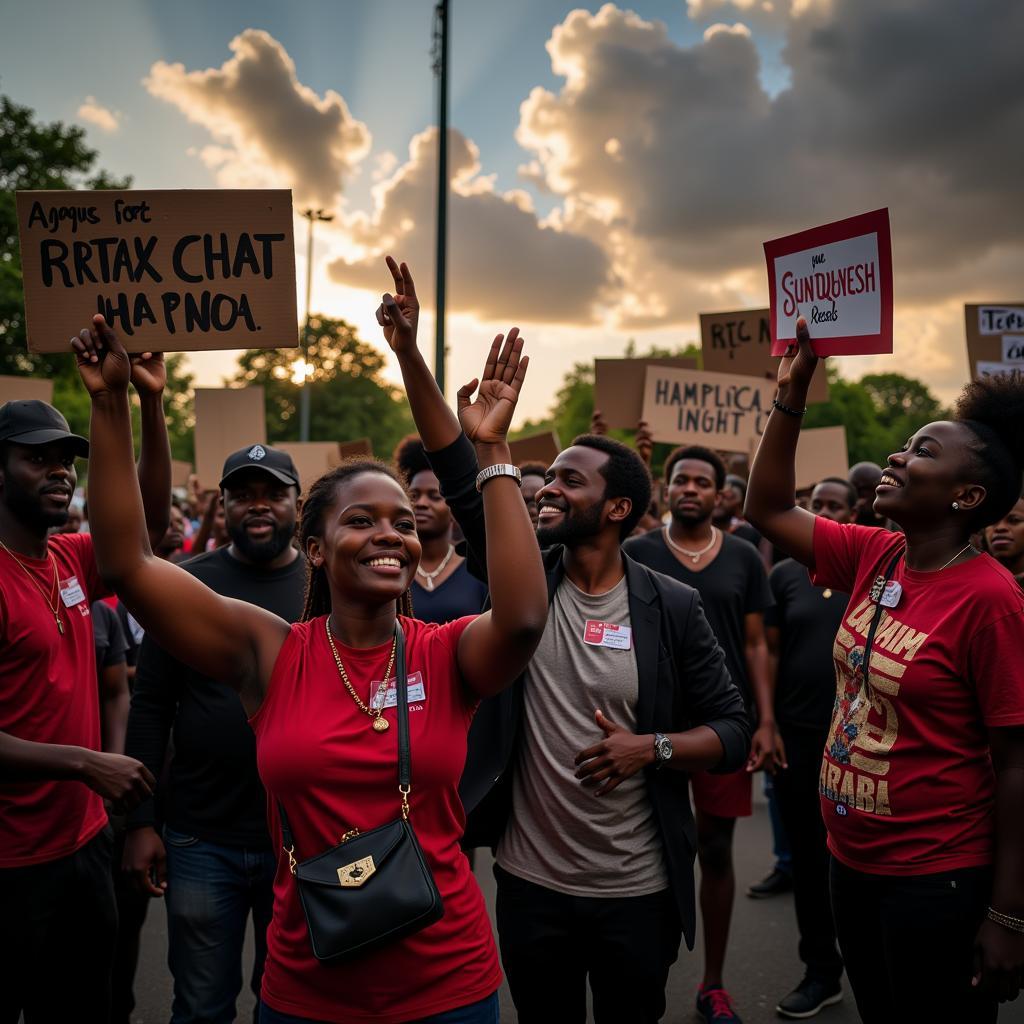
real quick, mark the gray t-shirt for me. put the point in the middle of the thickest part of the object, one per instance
(560, 835)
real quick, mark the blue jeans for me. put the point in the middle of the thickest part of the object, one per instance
(211, 890)
(484, 1012)
(780, 841)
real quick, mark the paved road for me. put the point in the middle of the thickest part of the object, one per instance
(762, 965)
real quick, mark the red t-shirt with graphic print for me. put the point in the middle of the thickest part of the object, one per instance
(318, 754)
(49, 694)
(907, 785)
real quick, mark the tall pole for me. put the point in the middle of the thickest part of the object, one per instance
(310, 215)
(441, 69)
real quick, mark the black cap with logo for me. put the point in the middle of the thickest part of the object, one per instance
(29, 421)
(259, 456)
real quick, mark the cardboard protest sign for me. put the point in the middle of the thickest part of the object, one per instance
(543, 448)
(721, 410)
(619, 387)
(226, 419)
(821, 452)
(180, 472)
(170, 270)
(312, 459)
(359, 449)
(987, 369)
(995, 333)
(20, 389)
(741, 342)
(838, 276)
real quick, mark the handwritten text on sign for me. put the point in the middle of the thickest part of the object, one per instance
(170, 270)
(721, 410)
(1013, 348)
(1000, 319)
(838, 277)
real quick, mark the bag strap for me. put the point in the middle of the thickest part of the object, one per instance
(404, 751)
(879, 587)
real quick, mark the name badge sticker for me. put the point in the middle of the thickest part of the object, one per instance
(607, 634)
(416, 692)
(891, 594)
(71, 592)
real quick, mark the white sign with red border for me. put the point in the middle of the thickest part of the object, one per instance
(839, 277)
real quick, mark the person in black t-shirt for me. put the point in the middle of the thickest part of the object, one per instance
(801, 631)
(733, 586)
(534, 474)
(215, 861)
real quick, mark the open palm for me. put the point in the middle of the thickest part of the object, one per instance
(486, 419)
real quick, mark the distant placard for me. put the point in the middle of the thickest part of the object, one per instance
(821, 452)
(19, 389)
(721, 410)
(987, 369)
(839, 277)
(362, 448)
(619, 387)
(995, 333)
(172, 270)
(180, 472)
(543, 448)
(741, 342)
(312, 459)
(226, 419)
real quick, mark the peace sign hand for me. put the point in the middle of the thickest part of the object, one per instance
(103, 364)
(399, 314)
(486, 419)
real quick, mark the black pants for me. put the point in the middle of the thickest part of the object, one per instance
(57, 937)
(796, 792)
(132, 905)
(908, 943)
(551, 942)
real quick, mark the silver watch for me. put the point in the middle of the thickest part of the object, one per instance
(499, 469)
(662, 750)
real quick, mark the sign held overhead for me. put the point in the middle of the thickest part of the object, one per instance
(171, 271)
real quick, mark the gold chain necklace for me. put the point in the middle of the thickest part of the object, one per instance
(694, 556)
(431, 576)
(376, 710)
(55, 605)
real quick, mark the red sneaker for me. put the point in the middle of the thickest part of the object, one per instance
(714, 1004)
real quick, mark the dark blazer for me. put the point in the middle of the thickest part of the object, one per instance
(683, 683)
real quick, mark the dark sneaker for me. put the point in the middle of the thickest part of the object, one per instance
(714, 1004)
(776, 883)
(808, 999)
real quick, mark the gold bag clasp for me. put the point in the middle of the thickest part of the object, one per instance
(353, 875)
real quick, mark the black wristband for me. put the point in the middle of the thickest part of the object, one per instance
(776, 404)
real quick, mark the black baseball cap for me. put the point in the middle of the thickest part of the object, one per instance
(29, 421)
(260, 456)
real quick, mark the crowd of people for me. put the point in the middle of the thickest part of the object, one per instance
(209, 701)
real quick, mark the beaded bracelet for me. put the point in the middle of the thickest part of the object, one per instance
(776, 404)
(1015, 924)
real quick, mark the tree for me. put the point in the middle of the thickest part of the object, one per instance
(348, 396)
(54, 156)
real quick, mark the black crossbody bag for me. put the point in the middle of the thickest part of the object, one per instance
(375, 887)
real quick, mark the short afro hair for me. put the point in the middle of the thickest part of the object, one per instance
(848, 489)
(992, 409)
(626, 476)
(410, 457)
(700, 454)
(533, 469)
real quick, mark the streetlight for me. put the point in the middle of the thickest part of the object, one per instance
(311, 215)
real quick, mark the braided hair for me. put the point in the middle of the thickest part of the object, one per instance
(318, 502)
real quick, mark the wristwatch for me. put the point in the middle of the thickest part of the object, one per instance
(500, 469)
(662, 750)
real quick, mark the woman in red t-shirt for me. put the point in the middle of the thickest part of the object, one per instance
(317, 691)
(922, 778)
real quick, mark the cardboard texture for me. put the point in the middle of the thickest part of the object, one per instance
(721, 410)
(20, 389)
(180, 472)
(995, 333)
(838, 276)
(619, 387)
(312, 459)
(358, 449)
(535, 448)
(821, 452)
(172, 270)
(741, 342)
(226, 419)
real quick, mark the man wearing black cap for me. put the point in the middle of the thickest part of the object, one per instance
(61, 735)
(214, 861)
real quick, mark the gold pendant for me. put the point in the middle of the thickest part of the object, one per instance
(60, 625)
(381, 725)
(826, 593)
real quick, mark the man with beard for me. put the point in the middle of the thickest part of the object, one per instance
(61, 732)
(215, 863)
(733, 586)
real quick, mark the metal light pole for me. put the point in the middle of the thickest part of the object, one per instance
(310, 215)
(441, 70)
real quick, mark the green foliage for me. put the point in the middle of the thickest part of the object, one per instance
(54, 156)
(349, 398)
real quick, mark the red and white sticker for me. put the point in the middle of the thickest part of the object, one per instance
(71, 592)
(607, 634)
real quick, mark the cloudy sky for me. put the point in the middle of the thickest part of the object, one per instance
(614, 169)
